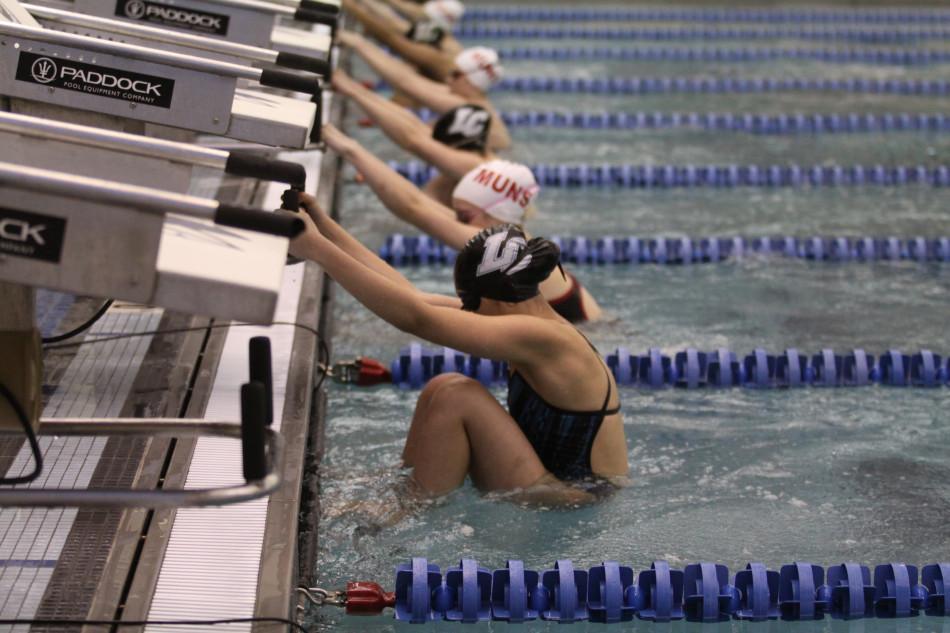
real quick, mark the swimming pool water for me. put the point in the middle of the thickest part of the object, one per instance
(729, 476)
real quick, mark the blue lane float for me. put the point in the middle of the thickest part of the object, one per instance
(864, 36)
(695, 369)
(405, 250)
(721, 176)
(728, 55)
(722, 85)
(761, 16)
(781, 123)
(701, 592)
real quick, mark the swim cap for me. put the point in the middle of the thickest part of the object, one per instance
(480, 65)
(445, 13)
(426, 32)
(499, 263)
(500, 188)
(464, 127)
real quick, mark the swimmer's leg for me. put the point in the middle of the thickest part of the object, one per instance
(458, 427)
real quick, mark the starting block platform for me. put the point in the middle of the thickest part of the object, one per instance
(200, 278)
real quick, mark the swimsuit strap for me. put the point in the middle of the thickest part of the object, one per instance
(603, 409)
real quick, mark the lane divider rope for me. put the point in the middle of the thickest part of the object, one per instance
(672, 176)
(866, 36)
(405, 250)
(851, 16)
(726, 55)
(611, 593)
(779, 123)
(694, 369)
(690, 85)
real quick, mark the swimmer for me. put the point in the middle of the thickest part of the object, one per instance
(493, 193)
(425, 40)
(474, 72)
(456, 144)
(562, 424)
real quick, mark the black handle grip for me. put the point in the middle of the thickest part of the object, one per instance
(289, 81)
(253, 449)
(290, 200)
(251, 165)
(261, 221)
(316, 5)
(316, 17)
(303, 62)
(259, 370)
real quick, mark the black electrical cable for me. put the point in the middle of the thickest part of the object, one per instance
(180, 330)
(54, 622)
(30, 436)
(81, 328)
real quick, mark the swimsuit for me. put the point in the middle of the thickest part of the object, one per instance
(570, 305)
(562, 439)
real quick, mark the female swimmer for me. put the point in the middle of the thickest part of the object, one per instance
(456, 144)
(474, 72)
(423, 37)
(563, 422)
(493, 193)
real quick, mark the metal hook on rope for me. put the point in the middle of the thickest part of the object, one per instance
(361, 371)
(359, 598)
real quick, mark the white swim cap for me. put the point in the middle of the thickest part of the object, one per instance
(502, 189)
(480, 65)
(444, 12)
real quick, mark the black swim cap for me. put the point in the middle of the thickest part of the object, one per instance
(464, 127)
(499, 263)
(426, 32)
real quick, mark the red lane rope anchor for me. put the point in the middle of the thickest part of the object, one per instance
(359, 598)
(361, 371)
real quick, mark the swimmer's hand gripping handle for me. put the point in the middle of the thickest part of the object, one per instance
(289, 81)
(316, 17)
(279, 224)
(303, 62)
(251, 165)
(315, 5)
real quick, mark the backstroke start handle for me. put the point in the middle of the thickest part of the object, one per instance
(280, 224)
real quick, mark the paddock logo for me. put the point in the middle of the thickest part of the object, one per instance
(175, 17)
(31, 235)
(102, 81)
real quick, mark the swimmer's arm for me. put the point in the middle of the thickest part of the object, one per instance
(383, 14)
(401, 76)
(400, 196)
(422, 55)
(398, 123)
(498, 135)
(330, 229)
(406, 129)
(517, 338)
(411, 10)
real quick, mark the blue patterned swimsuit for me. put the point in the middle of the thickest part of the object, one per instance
(562, 439)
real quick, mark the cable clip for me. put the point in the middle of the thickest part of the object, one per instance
(321, 597)
(363, 372)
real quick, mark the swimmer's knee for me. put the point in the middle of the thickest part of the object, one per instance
(445, 390)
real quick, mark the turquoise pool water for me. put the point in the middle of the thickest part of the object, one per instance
(729, 476)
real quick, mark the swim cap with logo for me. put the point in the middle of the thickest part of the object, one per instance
(464, 127)
(480, 65)
(445, 13)
(501, 264)
(500, 188)
(426, 32)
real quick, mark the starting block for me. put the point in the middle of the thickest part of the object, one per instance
(314, 59)
(128, 158)
(250, 22)
(45, 71)
(99, 238)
